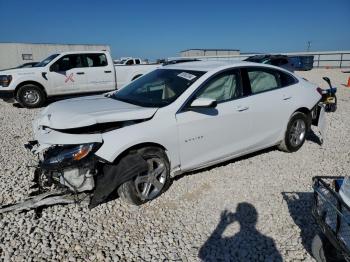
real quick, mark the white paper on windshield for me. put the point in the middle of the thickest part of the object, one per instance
(187, 76)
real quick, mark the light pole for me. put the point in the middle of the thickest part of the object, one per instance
(308, 46)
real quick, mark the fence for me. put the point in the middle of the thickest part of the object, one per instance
(332, 59)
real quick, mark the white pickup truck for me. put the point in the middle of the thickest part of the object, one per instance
(67, 73)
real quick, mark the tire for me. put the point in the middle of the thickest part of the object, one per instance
(30, 96)
(294, 137)
(317, 249)
(137, 191)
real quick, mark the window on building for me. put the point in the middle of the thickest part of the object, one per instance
(27, 56)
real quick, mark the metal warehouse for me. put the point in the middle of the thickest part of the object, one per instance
(208, 52)
(15, 54)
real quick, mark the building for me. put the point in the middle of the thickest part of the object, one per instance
(208, 52)
(15, 54)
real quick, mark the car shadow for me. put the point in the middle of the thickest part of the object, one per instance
(300, 209)
(246, 245)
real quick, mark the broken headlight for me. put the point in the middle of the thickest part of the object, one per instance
(62, 155)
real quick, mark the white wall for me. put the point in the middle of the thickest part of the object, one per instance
(11, 53)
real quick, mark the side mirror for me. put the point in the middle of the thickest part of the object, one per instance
(203, 102)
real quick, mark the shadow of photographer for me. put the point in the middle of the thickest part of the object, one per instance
(246, 245)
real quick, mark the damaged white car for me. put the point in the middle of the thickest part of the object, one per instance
(175, 119)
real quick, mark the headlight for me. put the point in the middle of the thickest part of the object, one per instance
(5, 80)
(66, 155)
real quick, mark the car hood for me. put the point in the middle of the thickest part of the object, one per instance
(20, 71)
(87, 111)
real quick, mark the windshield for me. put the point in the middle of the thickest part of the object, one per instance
(159, 88)
(46, 60)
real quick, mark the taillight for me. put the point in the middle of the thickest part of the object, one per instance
(319, 90)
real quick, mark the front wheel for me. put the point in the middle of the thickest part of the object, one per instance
(148, 186)
(30, 96)
(295, 134)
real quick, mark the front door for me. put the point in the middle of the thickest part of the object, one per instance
(67, 75)
(209, 134)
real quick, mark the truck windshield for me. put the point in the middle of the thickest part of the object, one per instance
(159, 88)
(46, 60)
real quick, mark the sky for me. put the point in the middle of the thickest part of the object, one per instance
(160, 28)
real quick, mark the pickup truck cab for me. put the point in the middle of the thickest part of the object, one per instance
(129, 61)
(67, 73)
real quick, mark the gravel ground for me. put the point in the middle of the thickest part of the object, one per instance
(254, 208)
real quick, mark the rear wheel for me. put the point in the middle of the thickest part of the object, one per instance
(150, 185)
(295, 134)
(30, 96)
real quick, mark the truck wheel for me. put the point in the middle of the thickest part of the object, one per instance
(295, 134)
(153, 183)
(30, 96)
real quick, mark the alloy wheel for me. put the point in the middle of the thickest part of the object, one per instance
(297, 133)
(149, 185)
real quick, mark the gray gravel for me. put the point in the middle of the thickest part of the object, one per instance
(256, 208)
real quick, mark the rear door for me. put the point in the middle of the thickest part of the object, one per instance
(67, 75)
(211, 134)
(99, 72)
(271, 103)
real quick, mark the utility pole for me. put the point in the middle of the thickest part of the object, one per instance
(308, 46)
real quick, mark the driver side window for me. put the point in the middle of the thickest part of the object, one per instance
(68, 62)
(223, 87)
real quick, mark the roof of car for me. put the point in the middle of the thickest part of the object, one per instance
(208, 65)
(81, 52)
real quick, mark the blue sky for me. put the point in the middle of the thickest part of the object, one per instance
(156, 29)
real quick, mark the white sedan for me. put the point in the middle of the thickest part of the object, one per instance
(175, 119)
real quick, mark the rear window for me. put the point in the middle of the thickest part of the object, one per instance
(286, 79)
(263, 79)
(96, 60)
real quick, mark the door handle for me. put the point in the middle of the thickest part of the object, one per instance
(242, 108)
(109, 71)
(80, 73)
(286, 97)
